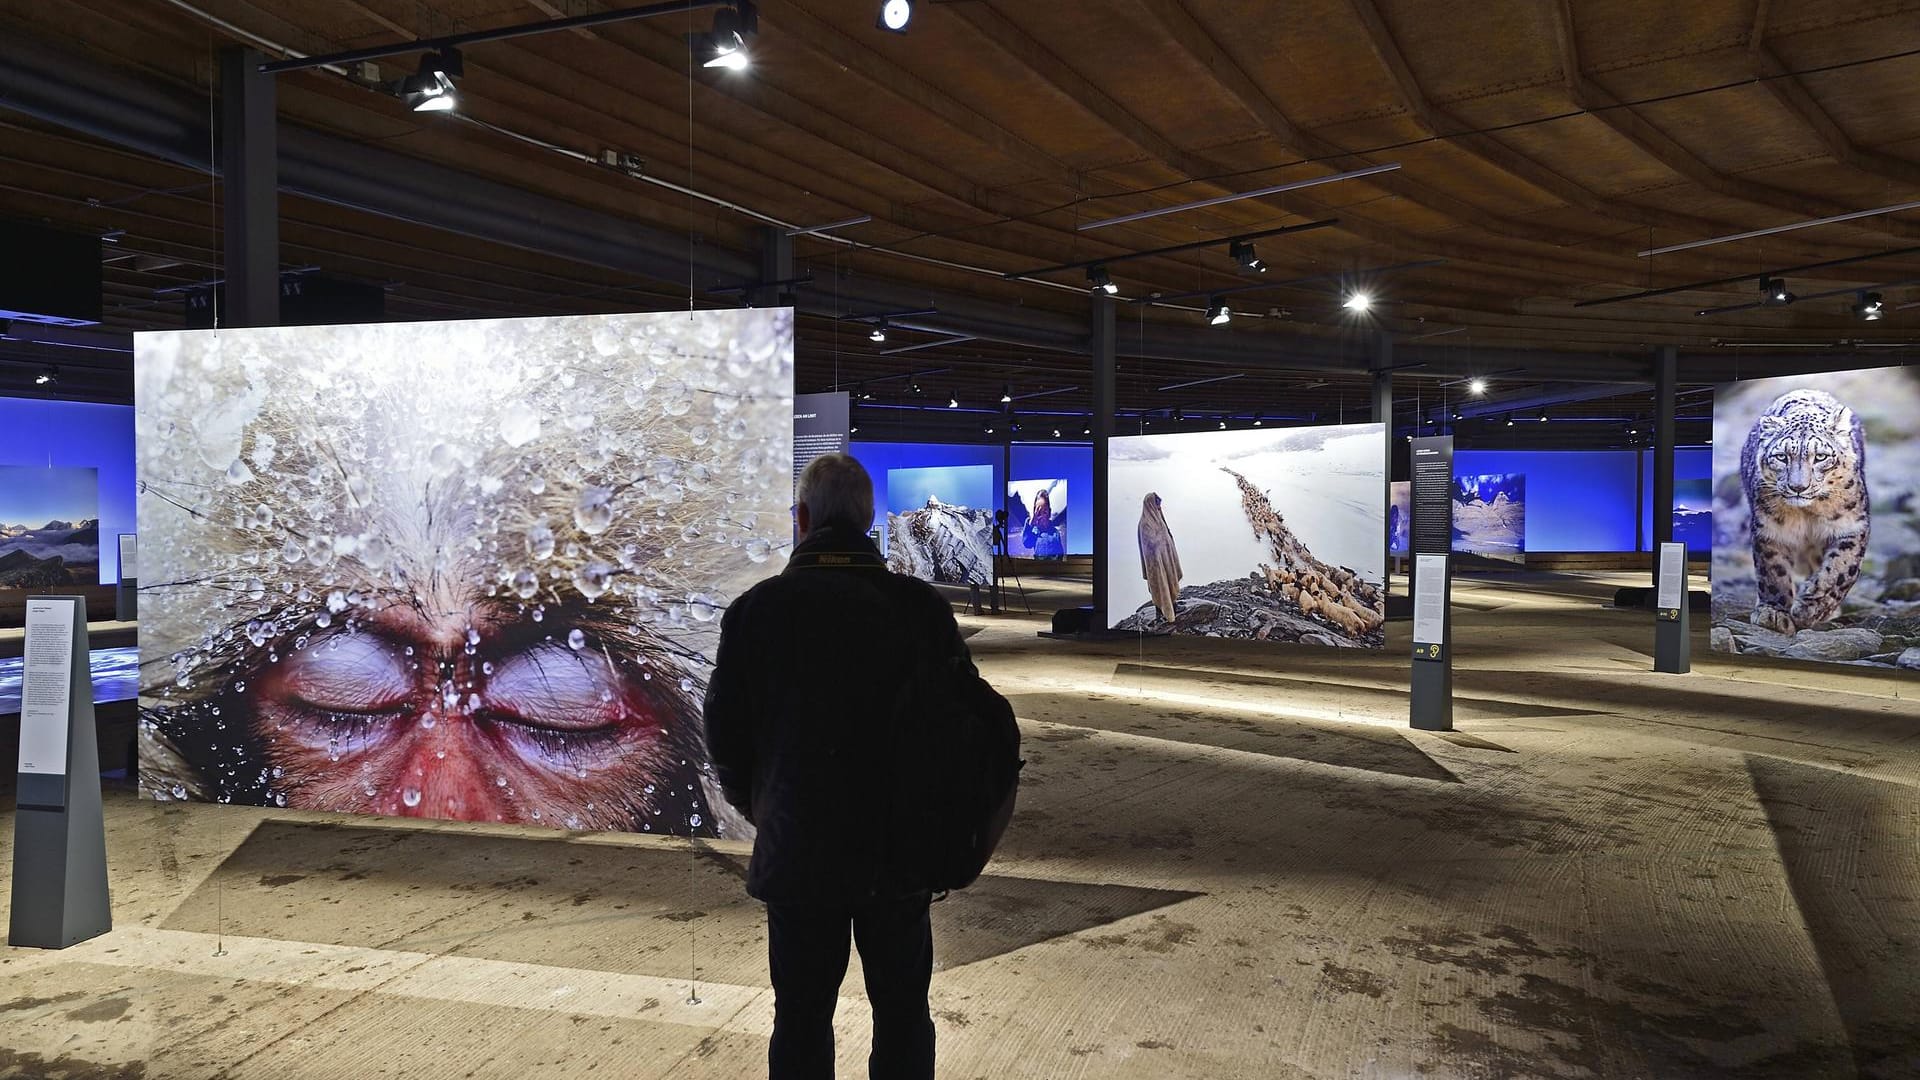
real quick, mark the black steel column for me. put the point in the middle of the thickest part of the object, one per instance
(1105, 382)
(776, 264)
(250, 180)
(1666, 373)
(1382, 367)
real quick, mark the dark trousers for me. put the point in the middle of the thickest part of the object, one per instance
(807, 953)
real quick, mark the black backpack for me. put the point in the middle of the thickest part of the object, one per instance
(960, 747)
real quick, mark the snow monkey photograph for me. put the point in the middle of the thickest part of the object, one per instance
(1816, 517)
(467, 570)
(1271, 535)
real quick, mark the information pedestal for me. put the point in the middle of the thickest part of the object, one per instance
(1673, 619)
(1432, 689)
(59, 837)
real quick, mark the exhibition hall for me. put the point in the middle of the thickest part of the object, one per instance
(530, 529)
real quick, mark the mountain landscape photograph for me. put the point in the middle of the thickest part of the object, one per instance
(49, 526)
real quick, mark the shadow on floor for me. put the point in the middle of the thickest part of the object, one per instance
(598, 906)
(1851, 847)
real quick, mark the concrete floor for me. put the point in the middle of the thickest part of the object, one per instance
(1228, 862)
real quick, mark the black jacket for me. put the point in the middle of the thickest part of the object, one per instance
(799, 716)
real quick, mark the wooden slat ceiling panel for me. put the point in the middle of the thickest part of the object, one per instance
(993, 110)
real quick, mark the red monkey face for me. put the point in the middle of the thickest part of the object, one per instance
(466, 570)
(481, 721)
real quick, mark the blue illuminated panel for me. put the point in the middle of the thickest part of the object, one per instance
(1577, 500)
(84, 435)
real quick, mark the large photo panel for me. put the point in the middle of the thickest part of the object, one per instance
(1816, 517)
(49, 526)
(940, 524)
(469, 570)
(1273, 535)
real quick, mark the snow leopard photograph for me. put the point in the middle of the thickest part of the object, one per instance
(464, 570)
(1816, 517)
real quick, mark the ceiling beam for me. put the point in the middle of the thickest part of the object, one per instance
(1229, 76)
(1552, 260)
(1799, 102)
(1457, 133)
(1664, 148)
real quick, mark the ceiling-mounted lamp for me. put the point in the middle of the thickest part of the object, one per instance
(879, 331)
(1509, 419)
(953, 402)
(1358, 302)
(1218, 314)
(1006, 394)
(1870, 308)
(1774, 293)
(47, 377)
(1258, 422)
(430, 89)
(726, 46)
(914, 386)
(895, 15)
(861, 393)
(1243, 253)
(1099, 280)
(1086, 429)
(1476, 387)
(987, 427)
(1223, 424)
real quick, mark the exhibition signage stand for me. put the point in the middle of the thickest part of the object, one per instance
(124, 592)
(1672, 635)
(1432, 697)
(59, 836)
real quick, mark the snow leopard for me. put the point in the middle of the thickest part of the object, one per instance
(1804, 471)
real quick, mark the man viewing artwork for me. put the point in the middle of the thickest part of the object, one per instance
(813, 724)
(466, 570)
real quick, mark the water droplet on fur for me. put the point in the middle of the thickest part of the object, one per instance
(576, 640)
(519, 424)
(593, 579)
(593, 510)
(540, 542)
(410, 796)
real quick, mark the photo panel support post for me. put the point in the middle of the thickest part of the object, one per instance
(1431, 696)
(1105, 392)
(1673, 622)
(59, 835)
(1383, 414)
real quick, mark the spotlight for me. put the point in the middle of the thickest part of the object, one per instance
(879, 331)
(1543, 418)
(1223, 425)
(1056, 433)
(861, 393)
(1257, 422)
(1243, 253)
(914, 386)
(987, 427)
(1870, 308)
(1086, 429)
(1358, 303)
(430, 89)
(1014, 426)
(895, 15)
(853, 429)
(953, 402)
(1218, 314)
(1100, 281)
(726, 46)
(1773, 292)
(1179, 415)
(1509, 419)
(1476, 388)
(1006, 394)
(47, 377)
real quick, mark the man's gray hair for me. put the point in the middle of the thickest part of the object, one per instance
(836, 489)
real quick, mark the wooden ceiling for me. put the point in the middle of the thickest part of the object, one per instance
(1541, 145)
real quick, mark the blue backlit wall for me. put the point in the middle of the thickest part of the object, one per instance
(1577, 500)
(84, 435)
(1689, 463)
